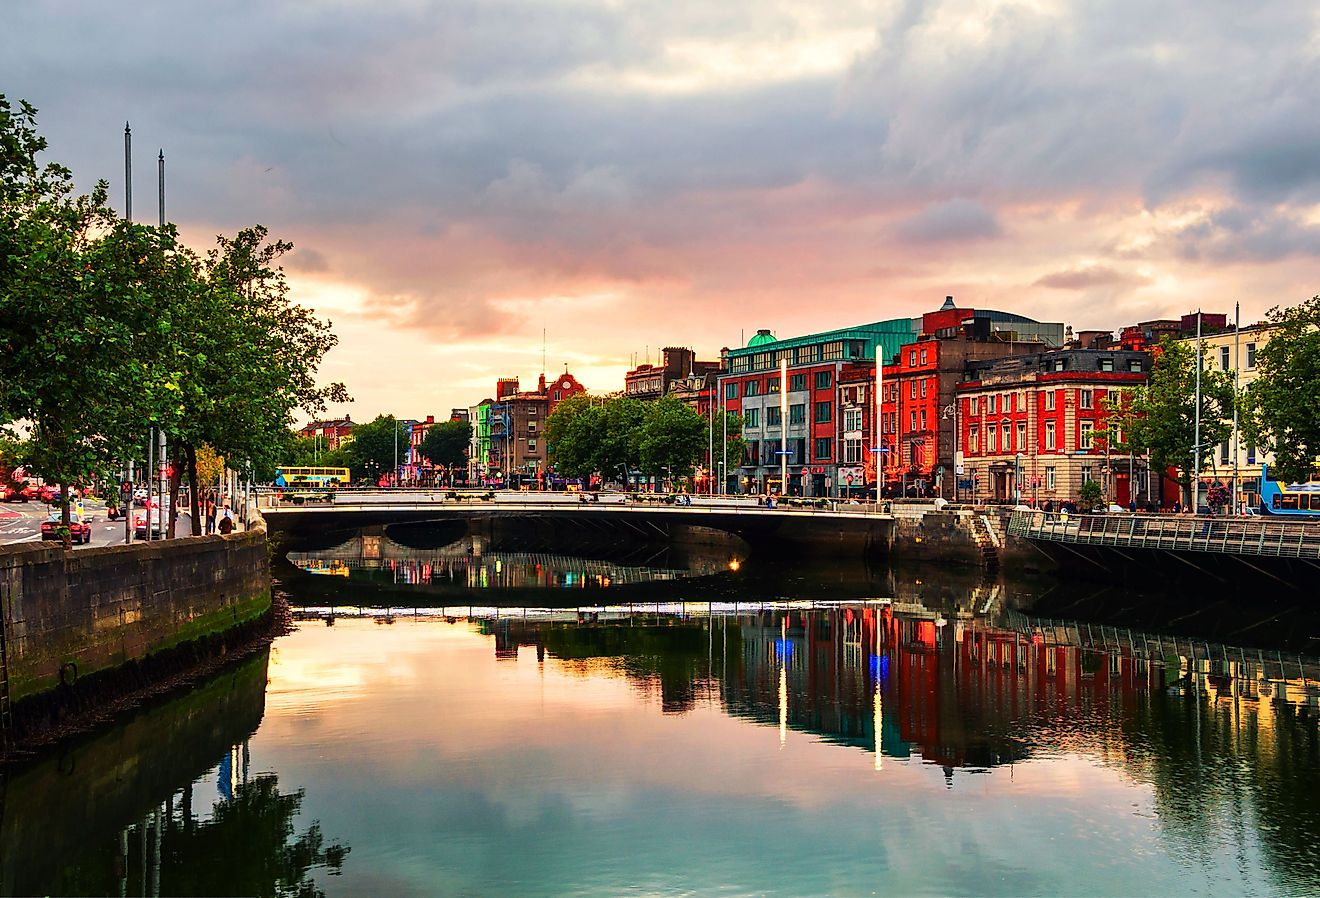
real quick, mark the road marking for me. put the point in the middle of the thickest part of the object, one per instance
(26, 539)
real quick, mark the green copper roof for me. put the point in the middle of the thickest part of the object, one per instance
(760, 338)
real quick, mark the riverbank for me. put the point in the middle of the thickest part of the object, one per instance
(88, 633)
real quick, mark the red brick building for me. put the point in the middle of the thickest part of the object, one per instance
(332, 433)
(517, 423)
(1032, 428)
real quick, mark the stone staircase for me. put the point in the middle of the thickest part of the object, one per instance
(987, 541)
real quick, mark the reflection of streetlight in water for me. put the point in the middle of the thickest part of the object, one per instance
(734, 564)
(878, 719)
(783, 682)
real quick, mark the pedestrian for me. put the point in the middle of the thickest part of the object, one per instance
(226, 526)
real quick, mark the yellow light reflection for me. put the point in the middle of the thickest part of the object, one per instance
(783, 705)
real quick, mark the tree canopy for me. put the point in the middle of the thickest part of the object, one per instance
(110, 328)
(614, 434)
(1283, 403)
(447, 443)
(1160, 417)
(375, 446)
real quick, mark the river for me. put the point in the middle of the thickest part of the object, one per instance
(697, 724)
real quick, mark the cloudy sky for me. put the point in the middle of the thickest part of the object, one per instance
(460, 176)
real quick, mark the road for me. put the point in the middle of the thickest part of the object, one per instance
(20, 522)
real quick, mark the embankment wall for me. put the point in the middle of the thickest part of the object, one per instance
(73, 615)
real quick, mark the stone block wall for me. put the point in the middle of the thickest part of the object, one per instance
(68, 615)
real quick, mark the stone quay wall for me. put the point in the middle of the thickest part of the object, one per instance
(73, 615)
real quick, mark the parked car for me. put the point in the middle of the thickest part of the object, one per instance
(80, 528)
(12, 492)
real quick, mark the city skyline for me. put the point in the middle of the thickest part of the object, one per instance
(461, 178)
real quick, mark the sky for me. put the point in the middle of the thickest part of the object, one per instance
(474, 185)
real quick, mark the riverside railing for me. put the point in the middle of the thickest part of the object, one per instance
(1186, 533)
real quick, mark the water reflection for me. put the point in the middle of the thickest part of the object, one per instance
(163, 803)
(369, 560)
(1226, 738)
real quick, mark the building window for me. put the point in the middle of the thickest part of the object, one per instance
(1223, 452)
(974, 440)
(824, 412)
(1084, 429)
(531, 445)
(832, 351)
(991, 403)
(990, 435)
(752, 388)
(1021, 437)
(824, 379)
(797, 383)
(923, 419)
(912, 358)
(1086, 473)
(1086, 398)
(923, 389)
(1251, 355)
(1005, 437)
(731, 391)
(823, 448)
(1223, 358)
(797, 414)
(806, 354)
(1107, 364)
(1059, 364)
(1135, 366)
(1049, 400)
(772, 385)
(1251, 453)
(740, 364)
(852, 451)
(752, 417)
(912, 424)
(923, 356)
(976, 405)
(1051, 478)
(852, 419)
(1049, 434)
(773, 416)
(531, 426)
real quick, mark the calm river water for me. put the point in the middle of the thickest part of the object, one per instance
(843, 733)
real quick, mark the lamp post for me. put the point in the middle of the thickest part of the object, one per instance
(783, 426)
(1017, 479)
(951, 411)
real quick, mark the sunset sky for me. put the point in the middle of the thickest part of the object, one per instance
(459, 176)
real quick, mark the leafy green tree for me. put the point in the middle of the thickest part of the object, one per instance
(1160, 417)
(84, 319)
(672, 438)
(447, 443)
(372, 450)
(1283, 403)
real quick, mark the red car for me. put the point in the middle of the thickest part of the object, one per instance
(17, 492)
(79, 529)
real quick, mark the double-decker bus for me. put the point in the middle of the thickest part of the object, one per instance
(295, 478)
(1294, 500)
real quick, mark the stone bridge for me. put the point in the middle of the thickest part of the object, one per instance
(861, 529)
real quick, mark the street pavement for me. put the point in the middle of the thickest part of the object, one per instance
(20, 522)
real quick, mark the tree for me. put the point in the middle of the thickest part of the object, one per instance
(671, 438)
(1283, 403)
(1088, 494)
(373, 449)
(1160, 418)
(447, 443)
(84, 318)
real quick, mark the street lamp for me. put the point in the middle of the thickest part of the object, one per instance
(1017, 479)
(951, 411)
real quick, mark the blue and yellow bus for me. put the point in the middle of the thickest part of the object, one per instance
(1294, 500)
(298, 478)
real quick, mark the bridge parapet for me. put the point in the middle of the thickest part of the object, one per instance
(1185, 533)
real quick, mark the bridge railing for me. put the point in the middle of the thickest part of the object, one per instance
(1188, 533)
(362, 501)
